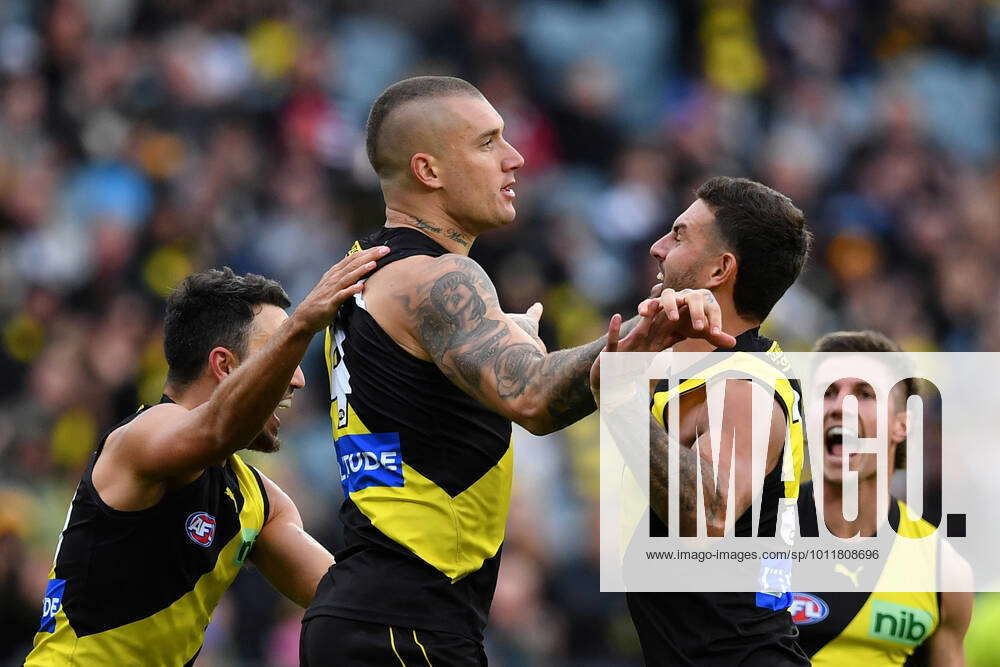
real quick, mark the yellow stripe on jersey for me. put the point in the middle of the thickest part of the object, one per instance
(172, 635)
(772, 376)
(453, 534)
(890, 625)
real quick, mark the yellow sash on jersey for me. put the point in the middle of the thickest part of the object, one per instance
(889, 626)
(171, 636)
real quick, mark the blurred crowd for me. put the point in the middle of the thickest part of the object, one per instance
(141, 140)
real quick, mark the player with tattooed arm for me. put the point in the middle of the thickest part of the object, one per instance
(427, 374)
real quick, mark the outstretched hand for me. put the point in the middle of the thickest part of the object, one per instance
(674, 316)
(342, 281)
(666, 320)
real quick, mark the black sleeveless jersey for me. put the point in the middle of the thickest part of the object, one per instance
(876, 629)
(139, 588)
(715, 628)
(426, 475)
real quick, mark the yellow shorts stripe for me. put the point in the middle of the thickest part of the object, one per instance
(392, 642)
(422, 649)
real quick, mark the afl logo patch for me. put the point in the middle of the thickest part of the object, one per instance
(807, 609)
(200, 527)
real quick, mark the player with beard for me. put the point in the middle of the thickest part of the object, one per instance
(738, 247)
(864, 627)
(167, 512)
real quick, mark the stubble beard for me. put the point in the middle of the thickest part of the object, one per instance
(680, 280)
(265, 443)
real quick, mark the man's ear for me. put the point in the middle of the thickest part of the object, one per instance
(426, 170)
(897, 426)
(221, 362)
(724, 270)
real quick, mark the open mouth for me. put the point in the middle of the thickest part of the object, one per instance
(284, 405)
(834, 440)
(509, 190)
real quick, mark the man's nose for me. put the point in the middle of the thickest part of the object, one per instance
(298, 378)
(659, 249)
(513, 161)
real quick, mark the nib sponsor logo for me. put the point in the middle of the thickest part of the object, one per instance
(899, 623)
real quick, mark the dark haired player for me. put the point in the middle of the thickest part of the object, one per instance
(738, 247)
(877, 628)
(427, 375)
(167, 512)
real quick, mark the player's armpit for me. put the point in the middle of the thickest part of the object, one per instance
(454, 314)
(287, 555)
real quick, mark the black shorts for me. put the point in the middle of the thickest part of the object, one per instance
(331, 641)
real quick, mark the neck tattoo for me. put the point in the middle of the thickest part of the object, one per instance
(452, 234)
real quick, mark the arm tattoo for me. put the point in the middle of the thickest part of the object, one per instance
(569, 373)
(469, 346)
(526, 324)
(469, 364)
(454, 313)
(513, 367)
(455, 329)
(659, 444)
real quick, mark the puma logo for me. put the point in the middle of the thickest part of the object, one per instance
(840, 568)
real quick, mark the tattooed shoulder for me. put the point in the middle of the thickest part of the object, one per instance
(453, 314)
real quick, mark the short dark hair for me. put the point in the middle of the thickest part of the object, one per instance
(211, 309)
(400, 93)
(766, 232)
(871, 341)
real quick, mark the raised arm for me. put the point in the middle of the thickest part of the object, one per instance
(454, 314)
(694, 314)
(170, 441)
(695, 448)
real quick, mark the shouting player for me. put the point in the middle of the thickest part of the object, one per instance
(167, 512)
(862, 627)
(726, 261)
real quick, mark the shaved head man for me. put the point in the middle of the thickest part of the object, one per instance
(427, 373)
(437, 146)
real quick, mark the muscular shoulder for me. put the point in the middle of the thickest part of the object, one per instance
(138, 430)
(417, 276)
(415, 298)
